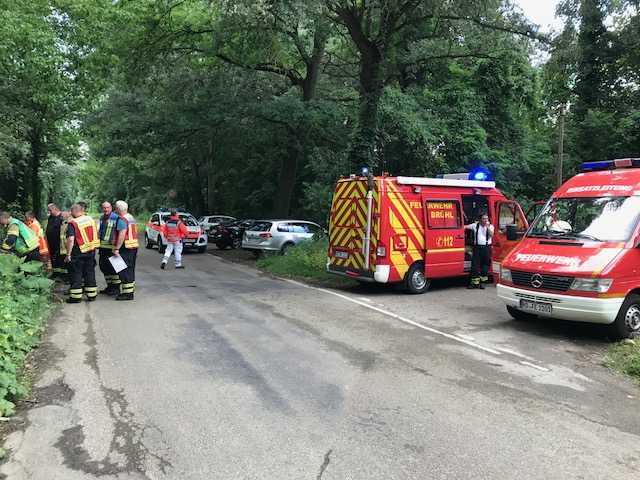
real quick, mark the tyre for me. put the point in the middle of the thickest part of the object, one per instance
(147, 242)
(236, 243)
(285, 248)
(257, 253)
(519, 314)
(415, 281)
(202, 249)
(627, 323)
(221, 245)
(161, 246)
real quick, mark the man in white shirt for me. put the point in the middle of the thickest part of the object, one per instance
(481, 259)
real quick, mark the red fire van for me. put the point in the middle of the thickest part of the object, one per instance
(580, 259)
(411, 229)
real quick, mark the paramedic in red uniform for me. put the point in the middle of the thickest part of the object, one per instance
(126, 247)
(481, 259)
(174, 230)
(81, 243)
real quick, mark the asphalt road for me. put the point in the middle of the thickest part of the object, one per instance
(220, 372)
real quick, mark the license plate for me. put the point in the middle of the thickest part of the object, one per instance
(188, 242)
(341, 254)
(536, 307)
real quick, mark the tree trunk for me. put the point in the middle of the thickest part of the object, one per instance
(363, 149)
(287, 178)
(37, 155)
(211, 180)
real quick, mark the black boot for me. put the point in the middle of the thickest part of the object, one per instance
(125, 296)
(73, 300)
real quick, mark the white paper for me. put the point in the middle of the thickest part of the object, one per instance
(117, 263)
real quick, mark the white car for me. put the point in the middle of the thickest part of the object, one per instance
(196, 237)
(209, 221)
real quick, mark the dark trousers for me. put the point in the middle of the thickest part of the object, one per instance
(82, 269)
(128, 275)
(59, 266)
(110, 275)
(32, 256)
(480, 263)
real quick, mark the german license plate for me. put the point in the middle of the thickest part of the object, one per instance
(340, 254)
(536, 307)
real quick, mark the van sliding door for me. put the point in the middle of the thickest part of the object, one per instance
(444, 235)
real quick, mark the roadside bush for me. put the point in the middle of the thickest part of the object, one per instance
(307, 260)
(625, 357)
(24, 305)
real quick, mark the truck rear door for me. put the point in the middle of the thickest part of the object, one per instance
(444, 235)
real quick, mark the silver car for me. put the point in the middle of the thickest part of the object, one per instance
(277, 235)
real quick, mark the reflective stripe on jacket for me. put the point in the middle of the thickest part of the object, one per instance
(42, 241)
(86, 233)
(107, 231)
(26, 240)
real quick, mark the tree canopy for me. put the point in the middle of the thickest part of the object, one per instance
(256, 107)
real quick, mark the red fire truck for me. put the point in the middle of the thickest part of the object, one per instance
(580, 260)
(411, 229)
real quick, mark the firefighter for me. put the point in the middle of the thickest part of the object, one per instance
(43, 247)
(481, 259)
(174, 230)
(54, 234)
(107, 234)
(20, 239)
(80, 244)
(126, 247)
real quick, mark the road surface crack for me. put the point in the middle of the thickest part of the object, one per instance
(325, 464)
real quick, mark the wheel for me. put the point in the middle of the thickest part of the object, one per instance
(627, 323)
(257, 253)
(414, 281)
(147, 242)
(161, 246)
(202, 249)
(519, 314)
(285, 248)
(221, 245)
(236, 243)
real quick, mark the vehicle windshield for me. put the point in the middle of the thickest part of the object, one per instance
(188, 220)
(604, 219)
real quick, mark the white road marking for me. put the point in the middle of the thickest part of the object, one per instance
(533, 365)
(400, 318)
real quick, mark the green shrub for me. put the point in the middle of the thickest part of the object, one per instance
(625, 357)
(23, 307)
(307, 260)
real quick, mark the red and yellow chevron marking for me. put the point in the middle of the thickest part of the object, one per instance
(348, 222)
(404, 222)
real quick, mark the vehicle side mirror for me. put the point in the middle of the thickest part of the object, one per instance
(512, 232)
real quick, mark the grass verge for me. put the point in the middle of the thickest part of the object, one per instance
(24, 307)
(306, 261)
(625, 358)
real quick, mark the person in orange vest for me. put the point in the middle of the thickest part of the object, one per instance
(43, 246)
(81, 244)
(126, 247)
(174, 230)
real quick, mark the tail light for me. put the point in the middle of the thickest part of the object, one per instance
(266, 235)
(381, 251)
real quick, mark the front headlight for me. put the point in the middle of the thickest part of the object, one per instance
(600, 285)
(505, 274)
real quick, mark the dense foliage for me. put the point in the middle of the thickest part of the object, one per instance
(255, 107)
(23, 308)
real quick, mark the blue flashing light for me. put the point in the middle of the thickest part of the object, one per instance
(610, 164)
(480, 174)
(364, 171)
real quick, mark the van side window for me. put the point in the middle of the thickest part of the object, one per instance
(509, 214)
(155, 218)
(443, 214)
